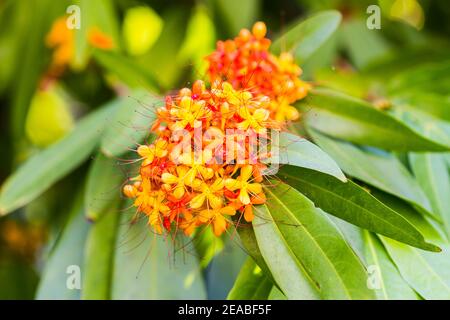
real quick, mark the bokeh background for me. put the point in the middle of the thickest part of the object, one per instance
(159, 46)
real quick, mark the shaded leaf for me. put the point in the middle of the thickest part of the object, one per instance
(38, 173)
(251, 283)
(355, 120)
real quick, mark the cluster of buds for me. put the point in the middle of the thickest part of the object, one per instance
(191, 176)
(246, 63)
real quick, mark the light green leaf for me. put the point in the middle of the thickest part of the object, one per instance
(42, 170)
(102, 187)
(383, 171)
(355, 120)
(387, 281)
(130, 124)
(431, 172)
(251, 283)
(146, 266)
(296, 151)
(428, 273)
(352, 203)
(99, 255)
(305, 37)
(313, 241)
(61, 278)
(431, 103)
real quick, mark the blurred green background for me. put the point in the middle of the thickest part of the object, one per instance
(159, 46)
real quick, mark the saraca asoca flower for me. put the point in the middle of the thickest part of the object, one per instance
(246, 62)
(189, 177)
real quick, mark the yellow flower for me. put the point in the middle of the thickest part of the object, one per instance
(179, 180)
(148, 153)
(255, 121)
(158, 209)
(207, 192)
(216, 217)
(189, 112)
(243, 185)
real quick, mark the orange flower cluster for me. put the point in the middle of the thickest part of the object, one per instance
(207, 183)
(246, 63)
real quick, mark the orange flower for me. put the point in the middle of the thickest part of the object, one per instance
(100, 40)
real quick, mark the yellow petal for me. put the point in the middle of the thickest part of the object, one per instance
(228, 210)
(232, 184)
(197, 201)
(179, 192)
(254, 188)
(261, 115)
(214, 201)
(219, 225)
(169, 178)
(244, 197)
(246, 172)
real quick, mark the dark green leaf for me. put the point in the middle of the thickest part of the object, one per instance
(251, 283)
(352, 203)
(313, 241)
(357, 121)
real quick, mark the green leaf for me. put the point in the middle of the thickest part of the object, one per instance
(387, 281)
(282, 263)
(383, 171)
(433, 104)
(428, 273)
(38, 173)
(126, 70)
(305, 37)
(251, 283)
(293, 150)
(99, 255)
(431, 172)
(147, 266)
(130, 124)
(98, 15)
(355, 120)
(352, 203)
(62, 273)
(238, 14)
(313, 241)
(102, 187)
(207, 245)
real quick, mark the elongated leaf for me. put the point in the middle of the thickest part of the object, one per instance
(251, 283)
(433, 104)
(61, 277)
(350, 202)
(130, 124)
(207, 246)
(299, 152)
(282, 263)
(98, 15)
(314, 241)
(305, 37)
(428, 273)
(50, 165)
(385, 172)
(99, 255)
(387, 281)
(103, 186)
(126, 70)
(357, 121)
(146, 266)
(363, 45)
(431, 171)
